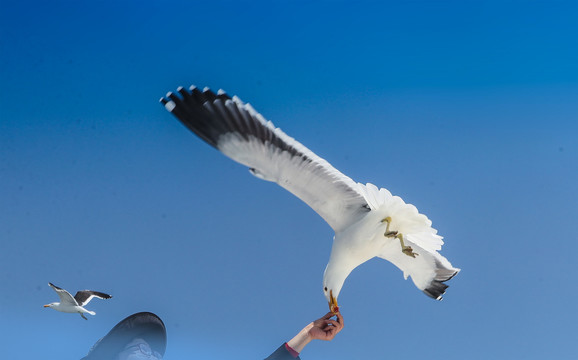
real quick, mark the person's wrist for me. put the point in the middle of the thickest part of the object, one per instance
(301, 339)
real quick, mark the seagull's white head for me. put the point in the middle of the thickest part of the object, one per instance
(333, 280)
(331, 299)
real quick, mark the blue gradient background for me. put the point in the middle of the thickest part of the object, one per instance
(466, 109)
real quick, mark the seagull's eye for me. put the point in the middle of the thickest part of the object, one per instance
(325, 288)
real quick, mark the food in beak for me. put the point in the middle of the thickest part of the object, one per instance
(333, 307)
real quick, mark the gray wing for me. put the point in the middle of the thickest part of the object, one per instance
(242, 134)
(65, 297)
(83, 297)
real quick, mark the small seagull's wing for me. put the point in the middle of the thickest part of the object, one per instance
(83, 297)
(242, 134)
(65, 297)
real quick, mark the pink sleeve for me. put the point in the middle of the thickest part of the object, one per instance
(291, 351)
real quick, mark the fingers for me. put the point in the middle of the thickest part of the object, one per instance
(331, 329)
(326, 328)
(340, 319)
(327, 325)
(329, 322)
(330, 315)
(333, 325)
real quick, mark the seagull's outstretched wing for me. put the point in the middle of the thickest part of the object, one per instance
(242, 134)
(65, 297)
(83, 297)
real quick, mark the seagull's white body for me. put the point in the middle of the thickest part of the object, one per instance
(72, 309)
(70, 304)
(368, 222)
(364, 240)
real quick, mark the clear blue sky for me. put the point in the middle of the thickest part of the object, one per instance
(466, 109)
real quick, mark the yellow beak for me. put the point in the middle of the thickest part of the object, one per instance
(333, 307)
(46, 305)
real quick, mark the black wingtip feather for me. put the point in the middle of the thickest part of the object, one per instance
(211, 115)
(54, 286)
(189, 109)
(436, 289)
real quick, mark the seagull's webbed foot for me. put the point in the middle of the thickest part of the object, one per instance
(390, 234)
(409, 252)
(406, 249)
(84, 317)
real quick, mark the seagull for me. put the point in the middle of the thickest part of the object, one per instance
(368, 222)
(69, 304)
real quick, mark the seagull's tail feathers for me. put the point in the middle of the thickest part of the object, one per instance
(90, 312)
(429, 270)
(402, 215)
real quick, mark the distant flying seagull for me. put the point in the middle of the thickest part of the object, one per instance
(69, 304)
(368, 222)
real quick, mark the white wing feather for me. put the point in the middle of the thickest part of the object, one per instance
(65, 297)
(242, 134)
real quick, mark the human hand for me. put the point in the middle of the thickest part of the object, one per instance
(326, 328)
(321, 329)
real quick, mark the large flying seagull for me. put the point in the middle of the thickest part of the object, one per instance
(368, 222)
